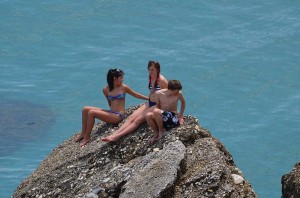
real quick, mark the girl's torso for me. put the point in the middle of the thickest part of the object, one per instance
(153, 87)
(116, 98)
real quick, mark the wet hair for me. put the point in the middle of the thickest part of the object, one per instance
(157, 67)
(174, 85)
(110, 77)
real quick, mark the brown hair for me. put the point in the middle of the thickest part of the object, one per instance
(174, 85)
(157, 67)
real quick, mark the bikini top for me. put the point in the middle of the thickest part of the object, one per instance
(117, 97)
(156, 88)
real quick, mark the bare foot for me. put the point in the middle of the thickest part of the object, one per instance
(85, 141)
(160, 135)
(79, 138)
(109, 139)
(153, 139)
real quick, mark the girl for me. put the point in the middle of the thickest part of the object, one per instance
(114, 92)
(156, 82)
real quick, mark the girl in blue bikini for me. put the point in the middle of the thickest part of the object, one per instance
(156, 82)
(114, 92)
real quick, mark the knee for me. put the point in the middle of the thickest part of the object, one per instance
(139, 120)
(85, 109)
(149, 116)
(131, 119)
(157, 112)
(91, 113)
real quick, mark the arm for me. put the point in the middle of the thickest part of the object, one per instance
(182, 107)
(158, 103)
(105, 92)
(135, 94)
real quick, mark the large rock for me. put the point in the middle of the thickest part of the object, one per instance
(291, 183)
(187, 162)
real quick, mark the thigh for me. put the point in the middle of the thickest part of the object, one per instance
(149, 110)
(91, 108)
(138, 112)
(142, 117)
(106, 116)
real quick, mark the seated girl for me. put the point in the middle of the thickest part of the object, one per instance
(115, 92)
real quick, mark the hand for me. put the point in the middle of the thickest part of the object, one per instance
(181, 120)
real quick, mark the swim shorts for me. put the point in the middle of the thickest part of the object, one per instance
(170, 120)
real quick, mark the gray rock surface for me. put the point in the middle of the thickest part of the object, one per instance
(291, 183)
(187, 162)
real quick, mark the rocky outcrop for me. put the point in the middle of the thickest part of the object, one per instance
(187, 162)
(291, 183)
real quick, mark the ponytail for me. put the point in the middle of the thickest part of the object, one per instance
(111, 74)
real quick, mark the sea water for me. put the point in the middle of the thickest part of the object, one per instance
(238, 62)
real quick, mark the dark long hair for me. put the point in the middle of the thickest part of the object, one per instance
(110, 77)
(157, 67)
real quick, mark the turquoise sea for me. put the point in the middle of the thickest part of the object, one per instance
(238, 61)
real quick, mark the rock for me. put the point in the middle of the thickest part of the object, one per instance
(237, 179)
(291, 183)
(187, 162)
(162, 169)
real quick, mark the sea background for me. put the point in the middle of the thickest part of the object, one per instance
(238, 62)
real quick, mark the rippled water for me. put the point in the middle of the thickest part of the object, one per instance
(238, 63)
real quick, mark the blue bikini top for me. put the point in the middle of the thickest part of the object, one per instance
(117, 97)
(155, 89)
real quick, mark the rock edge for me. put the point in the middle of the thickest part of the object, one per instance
(187, 162)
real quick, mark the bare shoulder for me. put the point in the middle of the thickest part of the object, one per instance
(162, 78)
(105, 89)
(159, 92)
(126, 87)
(181, 95)
(162, 91)
(163, 82)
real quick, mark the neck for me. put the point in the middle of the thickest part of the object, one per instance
(153, 79)
(116, 86)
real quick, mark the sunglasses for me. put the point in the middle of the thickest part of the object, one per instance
(154, 62)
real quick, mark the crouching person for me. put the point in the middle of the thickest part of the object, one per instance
(165, 115)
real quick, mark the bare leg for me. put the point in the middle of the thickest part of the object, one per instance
(85, 112)
(101, 115)
(159, 121)
(134, 125)
(130, 127)
(132, 117)
(152, 123)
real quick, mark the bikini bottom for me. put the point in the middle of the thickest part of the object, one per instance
(121, 115)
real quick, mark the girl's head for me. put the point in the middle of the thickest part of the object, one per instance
(154, 70)
(112, 76)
